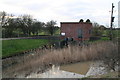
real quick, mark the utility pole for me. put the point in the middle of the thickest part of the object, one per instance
(111, 22)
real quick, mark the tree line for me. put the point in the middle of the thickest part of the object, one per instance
(24, 25)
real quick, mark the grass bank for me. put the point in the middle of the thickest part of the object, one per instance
(12, 47)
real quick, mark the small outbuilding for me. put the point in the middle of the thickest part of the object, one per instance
(78, 31)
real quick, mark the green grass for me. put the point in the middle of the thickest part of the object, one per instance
(105, 38)
(57, 32)
(11, 47)
(116, 33)
(101, 40)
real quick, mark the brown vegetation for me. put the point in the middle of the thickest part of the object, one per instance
(38, 63)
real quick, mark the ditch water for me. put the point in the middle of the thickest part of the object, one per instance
(76, 70)
(80, 68)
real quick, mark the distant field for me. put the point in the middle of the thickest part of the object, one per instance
(116, 33)
(11, 47)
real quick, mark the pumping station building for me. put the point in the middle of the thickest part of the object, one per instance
(78, 31)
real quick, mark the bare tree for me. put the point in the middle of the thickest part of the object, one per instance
(7, 24)
(96, 30)
(3, 18)
(37, 27)
(25, 24)
(51, 27)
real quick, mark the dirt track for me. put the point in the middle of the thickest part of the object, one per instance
(35, 37)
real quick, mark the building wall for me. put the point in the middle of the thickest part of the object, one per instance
(71, 30)
(119, 14)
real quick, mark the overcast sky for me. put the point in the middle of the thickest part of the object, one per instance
(63, 10)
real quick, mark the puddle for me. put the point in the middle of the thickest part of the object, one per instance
(56, 73)
(80, 68)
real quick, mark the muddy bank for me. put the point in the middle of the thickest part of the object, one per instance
(95, 68)
(74, 70)
(55, 72)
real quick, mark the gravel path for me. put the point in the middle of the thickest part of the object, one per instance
(15, 38)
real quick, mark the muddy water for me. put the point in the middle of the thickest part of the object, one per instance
(80, 68)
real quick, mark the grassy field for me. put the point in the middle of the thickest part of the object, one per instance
(11, 47)
(116, 33)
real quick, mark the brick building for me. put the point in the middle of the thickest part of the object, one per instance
(76, 30)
